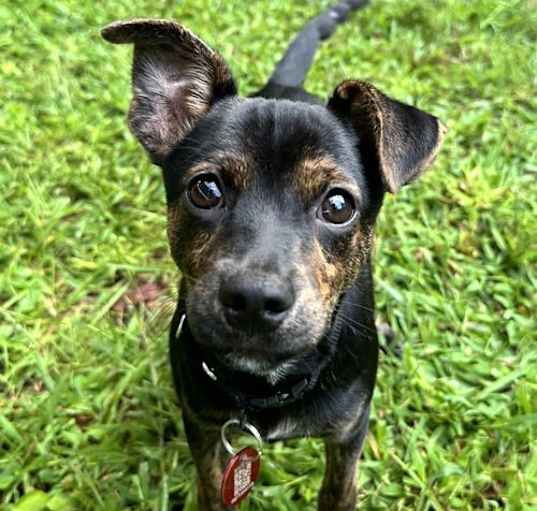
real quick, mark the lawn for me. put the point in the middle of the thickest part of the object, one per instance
(88, 417)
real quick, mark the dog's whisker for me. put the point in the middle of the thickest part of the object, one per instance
(356, 323)
(361, 306)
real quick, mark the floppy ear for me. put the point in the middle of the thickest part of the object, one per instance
(176, 78)
(399, 140)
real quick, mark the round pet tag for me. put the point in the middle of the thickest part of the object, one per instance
(240, 475)
(242, 469)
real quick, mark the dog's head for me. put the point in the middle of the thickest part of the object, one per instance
(271, 203)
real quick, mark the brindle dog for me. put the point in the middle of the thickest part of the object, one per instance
(272, 201)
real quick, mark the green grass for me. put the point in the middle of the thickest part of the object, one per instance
(88, 417)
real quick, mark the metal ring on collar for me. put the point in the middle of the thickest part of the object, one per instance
(244, 426)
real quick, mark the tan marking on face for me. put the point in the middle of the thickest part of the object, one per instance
(191, 251)
(328, 274)
(361, 243)
(232, 168)
(174, 220)
(313, 175)
(336, 271)
(198, 253)
(355, 254)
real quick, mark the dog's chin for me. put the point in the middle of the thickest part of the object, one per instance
(256, 365)
(252, 356)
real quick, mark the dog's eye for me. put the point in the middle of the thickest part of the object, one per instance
(338, 207)
(205, 192)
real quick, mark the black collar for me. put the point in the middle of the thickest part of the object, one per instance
(259, 394)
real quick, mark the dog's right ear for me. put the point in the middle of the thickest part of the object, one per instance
(176, 78)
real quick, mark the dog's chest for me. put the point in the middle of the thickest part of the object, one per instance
(285, 428)
(325, 418)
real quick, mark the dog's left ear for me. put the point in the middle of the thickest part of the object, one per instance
(176, 78)
(398, 140)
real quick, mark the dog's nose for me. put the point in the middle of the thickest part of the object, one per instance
(258, 303)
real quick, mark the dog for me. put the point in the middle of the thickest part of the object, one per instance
(272, 201)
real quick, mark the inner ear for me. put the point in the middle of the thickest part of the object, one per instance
(176, 78)
(399, 140)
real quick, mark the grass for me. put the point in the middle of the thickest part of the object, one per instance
(88, 418)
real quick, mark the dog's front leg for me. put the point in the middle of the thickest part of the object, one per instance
(207, 452)
(338, 491)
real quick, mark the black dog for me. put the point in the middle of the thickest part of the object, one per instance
(272, 202)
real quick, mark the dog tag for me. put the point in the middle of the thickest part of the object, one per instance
(242, 469)
(240, 475)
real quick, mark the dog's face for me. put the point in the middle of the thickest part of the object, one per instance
(269, 220)
(271, 202)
